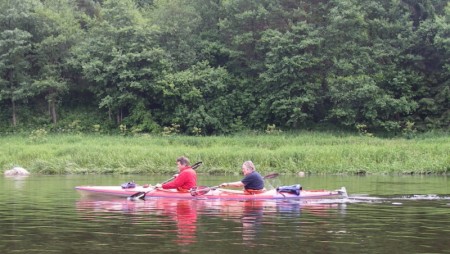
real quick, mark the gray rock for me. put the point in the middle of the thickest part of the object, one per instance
(17, 171)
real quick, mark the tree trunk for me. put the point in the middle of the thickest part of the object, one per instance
(52, 108)
(14, 120)
(119, 116)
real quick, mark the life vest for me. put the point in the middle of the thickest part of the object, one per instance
(253, 192)
(180, 189)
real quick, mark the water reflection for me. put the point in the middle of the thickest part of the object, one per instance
(184, 214)
(181, 212)
(251, 221)
(43, 214)
(18, 181)
(247, 213)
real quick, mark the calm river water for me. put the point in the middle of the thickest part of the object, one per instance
(384, 214)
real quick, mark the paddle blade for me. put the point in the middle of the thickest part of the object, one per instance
(199, 190)
(196, 165)
(137, 195)
(270, 176)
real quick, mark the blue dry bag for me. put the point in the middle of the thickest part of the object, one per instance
(292, 189)
(128, 185)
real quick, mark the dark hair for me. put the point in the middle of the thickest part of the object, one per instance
(183, 160)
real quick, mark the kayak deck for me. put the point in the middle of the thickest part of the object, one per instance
(151, 192)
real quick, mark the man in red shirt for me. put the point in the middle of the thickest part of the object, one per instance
(185, 180)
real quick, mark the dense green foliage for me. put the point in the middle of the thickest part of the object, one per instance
(309, 152)
(221, 66)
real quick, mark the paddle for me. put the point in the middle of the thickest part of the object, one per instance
(202, 190)
(141, 194)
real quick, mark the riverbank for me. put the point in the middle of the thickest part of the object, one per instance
(309, 152)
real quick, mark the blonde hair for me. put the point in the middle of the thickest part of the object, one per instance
(249, 165)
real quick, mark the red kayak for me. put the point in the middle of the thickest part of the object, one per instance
(210, 193)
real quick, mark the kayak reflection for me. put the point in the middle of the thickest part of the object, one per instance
(184, 213)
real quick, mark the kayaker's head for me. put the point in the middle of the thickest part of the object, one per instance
(248, 167)
(182, 162)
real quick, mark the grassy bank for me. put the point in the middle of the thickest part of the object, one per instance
(308, 152)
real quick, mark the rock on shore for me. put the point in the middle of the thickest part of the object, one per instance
(17, 171)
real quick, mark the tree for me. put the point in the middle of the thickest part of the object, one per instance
(177, 22)
(14, 78)
(436, 108)
(121, 59)
(59, 32)
(290, 89)
(16, 22)
(199, 100)
(371, 80)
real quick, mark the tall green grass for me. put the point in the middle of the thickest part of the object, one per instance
(309, 152)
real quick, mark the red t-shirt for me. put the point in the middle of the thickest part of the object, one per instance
(185, 180)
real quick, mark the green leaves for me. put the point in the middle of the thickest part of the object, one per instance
(121, 59)
(15, 45)
(214, 67)
(202, 91)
